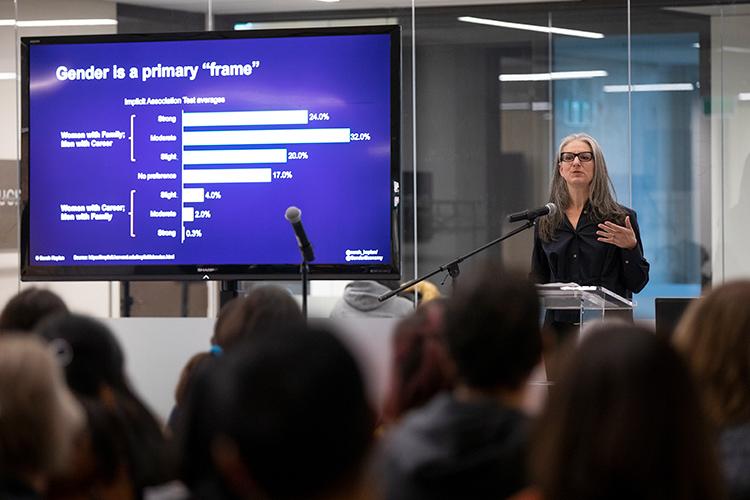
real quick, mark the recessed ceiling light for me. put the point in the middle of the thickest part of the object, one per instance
(46, 23)
(530, 27)
(651, 87)
(555, 75)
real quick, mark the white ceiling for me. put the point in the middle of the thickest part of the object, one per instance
(270, 6)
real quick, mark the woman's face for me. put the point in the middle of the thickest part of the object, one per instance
(577, 171)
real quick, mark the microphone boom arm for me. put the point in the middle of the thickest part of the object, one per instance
(452, 266)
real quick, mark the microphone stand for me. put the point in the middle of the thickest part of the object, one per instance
(452, 266)
(304, 270)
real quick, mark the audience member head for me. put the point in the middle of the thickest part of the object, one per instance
(27, 308)
(94, 370)
(624, 423)
(714, 336)
(492, 329)
(38, 416)
(180, 392)
(90, 354)
(284, 416)
(266, 307)
(421, 365)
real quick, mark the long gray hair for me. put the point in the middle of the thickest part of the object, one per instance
(602, 199)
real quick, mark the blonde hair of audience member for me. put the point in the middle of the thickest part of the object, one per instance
(624, 422)
(426, 291)
(39, 417)
(714, 336)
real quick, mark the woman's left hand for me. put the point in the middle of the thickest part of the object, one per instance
(619, 236)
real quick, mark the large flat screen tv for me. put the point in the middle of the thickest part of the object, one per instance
(176, 156)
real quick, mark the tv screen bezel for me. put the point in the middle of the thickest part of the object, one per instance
(209, 271)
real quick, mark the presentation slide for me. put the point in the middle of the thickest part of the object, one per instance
(189, 152)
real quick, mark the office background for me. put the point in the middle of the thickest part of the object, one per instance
(664, 86)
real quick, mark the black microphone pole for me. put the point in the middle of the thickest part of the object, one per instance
(294, 216)
(304, 269)
(452, 266)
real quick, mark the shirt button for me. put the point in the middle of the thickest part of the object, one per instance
(627, 262)
(575, 256)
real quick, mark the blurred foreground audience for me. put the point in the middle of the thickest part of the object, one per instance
(39, 418)
(123, 450)
(624, 423)
(266, 307)
(284, 416)
(471, 443)
(421, 365)
(714, 336)
(27, 308)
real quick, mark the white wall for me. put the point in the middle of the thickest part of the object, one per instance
(156, 349)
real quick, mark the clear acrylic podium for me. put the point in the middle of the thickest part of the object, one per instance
(590, 302)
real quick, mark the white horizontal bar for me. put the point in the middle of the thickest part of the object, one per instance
(188, 214)
(555, 75)
(282, 136)
(226, 175)
(193, 195)
(650, 87)
(743, 96)
(222, 118)
(531, 27)
(233, 156)
(46, 23)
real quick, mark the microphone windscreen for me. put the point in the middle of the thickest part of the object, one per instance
(293, 214)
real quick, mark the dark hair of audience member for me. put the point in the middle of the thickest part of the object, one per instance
(624, 423)
(265, 307)
(714, 337)
(421, 365)
(27, 308)
(38, 416)
(492, 328)
(284, 416)
(198, 362)
(180, 392)
(94, 370)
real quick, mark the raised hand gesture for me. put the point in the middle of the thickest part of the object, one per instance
(619, 236)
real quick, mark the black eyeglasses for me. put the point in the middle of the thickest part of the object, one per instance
(569, 157)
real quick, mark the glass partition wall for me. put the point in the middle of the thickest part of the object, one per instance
(489, 88)
(8, 153)
(499, 85)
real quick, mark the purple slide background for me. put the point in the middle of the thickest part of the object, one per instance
(342, 189)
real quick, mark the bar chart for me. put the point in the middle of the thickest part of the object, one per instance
(245, 147)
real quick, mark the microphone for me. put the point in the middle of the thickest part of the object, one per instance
(294, 216)
(531, 215)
